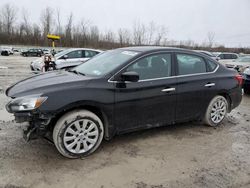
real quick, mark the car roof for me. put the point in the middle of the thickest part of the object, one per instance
(228, 53)
(72, 49)
(154, 48)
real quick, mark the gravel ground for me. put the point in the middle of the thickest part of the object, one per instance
(183, 155)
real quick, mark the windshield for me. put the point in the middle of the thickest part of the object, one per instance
(105, 62)
(62, 53)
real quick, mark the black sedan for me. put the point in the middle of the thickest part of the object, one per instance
(120, 91)
(32, 52)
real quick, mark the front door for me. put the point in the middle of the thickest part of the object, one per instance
(150, 102)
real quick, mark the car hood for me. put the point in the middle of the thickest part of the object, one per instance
(47, 82)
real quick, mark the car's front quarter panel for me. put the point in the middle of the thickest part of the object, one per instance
(98, 93)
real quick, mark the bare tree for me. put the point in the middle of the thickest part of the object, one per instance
(25, 22)
(161, 35)
(84, 26)
(94, 36)
(47, 21)
(210, 37)
(68, 30)
(151, 32)
(36, 35)
(139, 33)
(8, 14)
(1, 26)
(124, 37)
(58, 21)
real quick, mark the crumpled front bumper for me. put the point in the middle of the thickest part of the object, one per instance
(38, 124)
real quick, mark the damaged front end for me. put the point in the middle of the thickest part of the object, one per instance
(38, 126)
(25, 109)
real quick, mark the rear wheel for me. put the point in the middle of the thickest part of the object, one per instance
(78, 133)
(216, 111)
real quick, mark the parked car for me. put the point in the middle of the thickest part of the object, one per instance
(32, 52)
(6, 51)
(225, 56)
(239, 64)
(67, 59)
(15, 50)
(123, 90)
(46, 51)
(246, 80)
(209, 54)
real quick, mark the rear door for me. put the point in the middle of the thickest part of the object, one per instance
(151, 101)
(87, 54)
(197, 85)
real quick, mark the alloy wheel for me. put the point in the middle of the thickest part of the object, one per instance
(81, 136)
(218, 111)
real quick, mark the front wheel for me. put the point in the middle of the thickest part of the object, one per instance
(78, 133)
(216, 111)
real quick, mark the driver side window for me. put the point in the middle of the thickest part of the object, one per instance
(154, 66)
(75, 54)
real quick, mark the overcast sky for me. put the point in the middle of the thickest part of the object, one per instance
(185, 19)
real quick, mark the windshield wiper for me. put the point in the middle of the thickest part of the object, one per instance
(76, 72)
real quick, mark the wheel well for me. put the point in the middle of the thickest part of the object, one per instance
(90, 108)
(229, 100)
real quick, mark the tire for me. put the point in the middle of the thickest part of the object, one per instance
(73, 133)
(216, 111)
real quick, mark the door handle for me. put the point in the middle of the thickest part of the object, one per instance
(210, 85)
(168, 89)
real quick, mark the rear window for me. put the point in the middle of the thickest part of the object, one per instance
(190, 64)
(89, 53)
(211, 65)
(234, 56)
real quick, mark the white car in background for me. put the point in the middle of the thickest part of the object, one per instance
(67, 58)
(210, 54)
(46, 51)
(227, 57)
(6, 50)
(239, 64)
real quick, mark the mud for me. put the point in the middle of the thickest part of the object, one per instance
(183, 155)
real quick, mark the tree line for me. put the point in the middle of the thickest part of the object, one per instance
(19, 29)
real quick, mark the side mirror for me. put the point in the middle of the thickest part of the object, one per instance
(130, 76)
(65, 57)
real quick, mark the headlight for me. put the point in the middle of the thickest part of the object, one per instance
(25, 103)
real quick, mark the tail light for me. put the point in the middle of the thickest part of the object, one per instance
(239, 78)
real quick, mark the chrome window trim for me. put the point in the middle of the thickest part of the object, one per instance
(152, 79)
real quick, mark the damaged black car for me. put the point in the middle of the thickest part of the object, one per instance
(120, 91)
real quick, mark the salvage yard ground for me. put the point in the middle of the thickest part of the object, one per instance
(183, 155)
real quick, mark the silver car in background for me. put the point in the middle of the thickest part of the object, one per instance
(239, 64)
(210, 54)
(67, 58)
